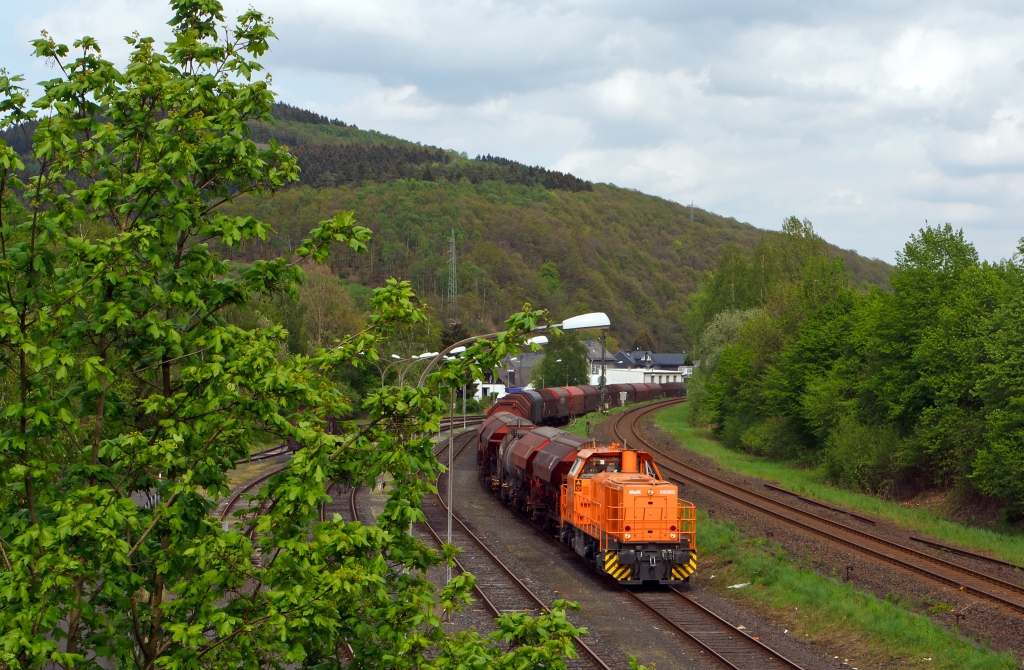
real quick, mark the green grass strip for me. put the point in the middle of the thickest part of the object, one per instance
(589, 421)
(839, 618)
(1008, 545)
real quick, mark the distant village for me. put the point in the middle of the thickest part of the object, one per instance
(621, 367)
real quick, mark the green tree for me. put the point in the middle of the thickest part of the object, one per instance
(453, 332)
(926, 278)
(743, 280)
(643, 341)
(127, 382)
(998, 469)
(564, 363)
(723, 330)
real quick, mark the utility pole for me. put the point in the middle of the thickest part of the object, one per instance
(691, 210)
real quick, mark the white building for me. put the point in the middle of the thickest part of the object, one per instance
(640, 375)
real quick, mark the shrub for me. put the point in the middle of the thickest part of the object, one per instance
(861, 456)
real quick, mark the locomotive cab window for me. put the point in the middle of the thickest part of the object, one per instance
(575, 470)
(602, 463)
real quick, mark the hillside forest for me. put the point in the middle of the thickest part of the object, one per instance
(888, 390)
(523, 234)
(808, 352)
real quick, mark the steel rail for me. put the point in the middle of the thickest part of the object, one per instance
(717, 654)
(245, 489)
(352, 503)
(353, 510)
(283, 449)
(497, 561)
(764, 504)
(272, 452)
(964, 552)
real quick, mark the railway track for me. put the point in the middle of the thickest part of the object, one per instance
(459, 423)
(946, 572)
(497, 585)
(248, 487)
(723, 641)
(348, 509)
(718, 638)
(285, 449)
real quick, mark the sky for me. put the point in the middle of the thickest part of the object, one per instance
(868, 118)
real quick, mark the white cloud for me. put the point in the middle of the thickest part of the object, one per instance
(867, 118)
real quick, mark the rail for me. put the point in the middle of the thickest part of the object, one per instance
(951, 574)
(494, 560)
(716, 637)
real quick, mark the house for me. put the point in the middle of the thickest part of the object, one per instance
(594, 357)
(647, 367)
(649, 359)
(621, 367)
(512, 377)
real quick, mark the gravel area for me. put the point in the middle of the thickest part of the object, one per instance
(982, 620)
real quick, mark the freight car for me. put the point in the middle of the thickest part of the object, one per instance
(556, 406)
(608, 503)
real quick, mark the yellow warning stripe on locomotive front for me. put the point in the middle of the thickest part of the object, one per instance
(613, 568)
(681, 571)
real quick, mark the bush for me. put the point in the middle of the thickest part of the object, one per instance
(860, 456)
(771, 437)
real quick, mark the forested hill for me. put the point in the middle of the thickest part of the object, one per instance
(523, 233)
(333, 153)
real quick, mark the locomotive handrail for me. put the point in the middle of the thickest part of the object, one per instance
(688, 522)
(606, 522)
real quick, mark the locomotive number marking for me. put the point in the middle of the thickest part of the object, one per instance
(669, 492)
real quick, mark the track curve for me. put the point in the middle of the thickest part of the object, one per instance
(722, 641)
(950, 574)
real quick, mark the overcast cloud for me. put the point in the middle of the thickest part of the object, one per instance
(867, 118)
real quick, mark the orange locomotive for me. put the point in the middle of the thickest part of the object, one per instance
(608, 503)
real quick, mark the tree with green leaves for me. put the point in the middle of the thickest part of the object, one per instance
(128, 396)
(564, 363)
(910, 388)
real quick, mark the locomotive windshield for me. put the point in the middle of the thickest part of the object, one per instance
(601, 463)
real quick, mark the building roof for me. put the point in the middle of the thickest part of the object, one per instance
(594, 351)
(648, 359)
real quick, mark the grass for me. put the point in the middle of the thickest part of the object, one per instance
(584, 425)
(811, 483)
(837, 617)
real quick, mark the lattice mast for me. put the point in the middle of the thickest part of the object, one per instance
(453, 281)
